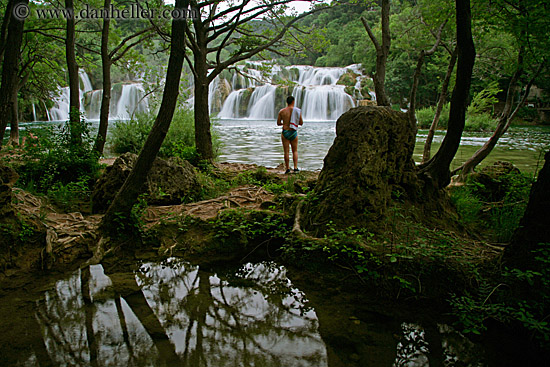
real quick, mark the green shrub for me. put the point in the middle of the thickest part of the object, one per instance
(480, 122)
(468, 205)
(425, 116)
(54, 160)
(130, 136)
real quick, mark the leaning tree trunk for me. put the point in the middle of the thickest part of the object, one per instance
(437, 169)
(72, 69)
(440, 104)
(106, 94)
(503, 124)
(4, 28)
(534, 228)
(10, 69)
(203, 136)
(127, 195)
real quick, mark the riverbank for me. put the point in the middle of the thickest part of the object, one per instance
(407, 273)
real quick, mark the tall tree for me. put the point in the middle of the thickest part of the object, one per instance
(504, 121)
(382, 51)
(436, 169)
(130, 190)
(72, 70)
(10, 67)
(525, 20)
(216, 29)
(108, 58)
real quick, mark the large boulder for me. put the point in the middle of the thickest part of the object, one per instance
(168, 183)
(8, 177)
(494, 181)
(371, 158)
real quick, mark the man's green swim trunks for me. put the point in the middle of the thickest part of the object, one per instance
(290, 134)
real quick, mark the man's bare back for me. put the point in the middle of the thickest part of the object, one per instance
(289, 136)
(284, 118)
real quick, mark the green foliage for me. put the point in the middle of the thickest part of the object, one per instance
(485, 99)
(517, 297)
(249, 226)
(498, 209)
(467, 204)
(130, 135)
(425, 117)
(480, 122)
(56, 166)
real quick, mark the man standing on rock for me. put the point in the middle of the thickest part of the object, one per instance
(290, 118)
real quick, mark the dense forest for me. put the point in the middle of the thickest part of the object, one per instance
(406, 248)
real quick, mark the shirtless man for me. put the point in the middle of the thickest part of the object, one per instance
(290, 132)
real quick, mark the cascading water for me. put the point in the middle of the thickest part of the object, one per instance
(247, 92)
(260, 95)
(262, 103)
(127, 99)
(130, 102)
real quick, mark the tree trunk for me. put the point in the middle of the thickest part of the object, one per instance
(440, 104)
(382, 57)
(72, 69)
(4, 28)
(437, 169)
(106, 95)
(203, 136)
(10, 69)
(504, 120)
(130, 190)
(533, 228)
(14, 123)
(382, 52)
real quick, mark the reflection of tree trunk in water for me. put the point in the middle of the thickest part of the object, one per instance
(198, 313)
(134, 297)
(124, 328)
(89, 310)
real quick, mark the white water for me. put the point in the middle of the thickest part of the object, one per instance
(315, 90)
(127, 99)
(253, 91)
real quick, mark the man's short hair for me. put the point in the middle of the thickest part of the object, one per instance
(289, 100)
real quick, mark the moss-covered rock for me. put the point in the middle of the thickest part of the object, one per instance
(348, 79)
(370, 157)
(168, 182)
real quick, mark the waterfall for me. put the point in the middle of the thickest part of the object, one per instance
(230, 108)
(315, 89)
(130, 101)
(60, 112)
(255, 90)
(325, 103)
(127, 99)
(262, 103)
(85, 83)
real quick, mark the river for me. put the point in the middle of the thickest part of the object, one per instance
(258, 141)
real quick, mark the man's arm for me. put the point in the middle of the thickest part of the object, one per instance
(279, 119)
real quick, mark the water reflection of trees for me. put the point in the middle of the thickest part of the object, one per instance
(174, 313)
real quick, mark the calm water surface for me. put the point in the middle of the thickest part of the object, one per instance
(249, 141)
(174, 313)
